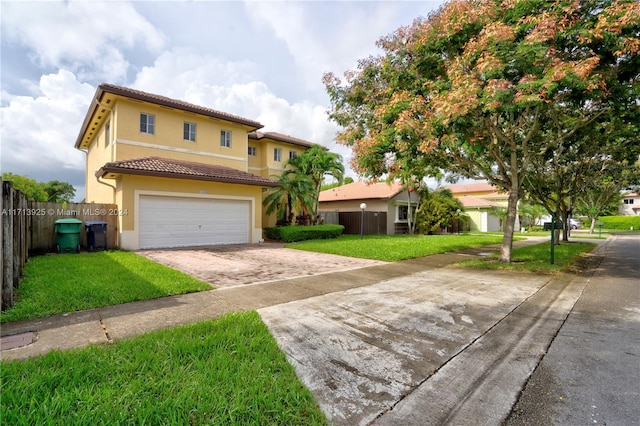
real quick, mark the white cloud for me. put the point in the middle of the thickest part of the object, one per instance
(332, 36)
(85, 37)
(38, 133)
(232, 87)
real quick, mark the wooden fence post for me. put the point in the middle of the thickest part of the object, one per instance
(7, 245)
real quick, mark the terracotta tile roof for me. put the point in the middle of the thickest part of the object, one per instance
(470, 202)
(361, 191)
(164, 167)
(178, 104)
(471, 187)
(280, 137)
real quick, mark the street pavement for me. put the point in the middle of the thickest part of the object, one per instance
(591, 373)
(424, 342)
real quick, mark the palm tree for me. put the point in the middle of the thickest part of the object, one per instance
(293, 193)
(316, 163)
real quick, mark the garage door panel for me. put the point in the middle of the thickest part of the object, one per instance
(183, 222)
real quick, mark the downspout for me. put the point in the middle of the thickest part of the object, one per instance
(113, 198)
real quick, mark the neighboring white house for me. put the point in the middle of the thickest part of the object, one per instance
(630, 204)
(388, 201)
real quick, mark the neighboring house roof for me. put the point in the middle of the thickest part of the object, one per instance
(496, 195)
(158, 100)
(474, 202)
(360, 191)
(164, 167)
(471, 187)
(280, 137)
(630, 195)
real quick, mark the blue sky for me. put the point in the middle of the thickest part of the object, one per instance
(259, 60)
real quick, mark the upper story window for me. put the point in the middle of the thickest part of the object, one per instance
(147, 123)
(107, 134)
(292, 155)
(252, 151)
(189, 132)
(628, 201)
(277, 154)
(225, 138)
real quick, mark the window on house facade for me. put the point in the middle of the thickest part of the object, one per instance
(189, 132)
(107, 134)
(277, 154)
(147, 123)
(402, 213)
(252, 151)
(292, 155)
(225, 138)
(628, 201)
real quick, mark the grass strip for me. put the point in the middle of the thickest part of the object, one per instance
(536, 258)
(219, 372)
(55, 284)
(392, 248)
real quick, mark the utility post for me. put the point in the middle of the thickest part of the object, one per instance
(362, 207)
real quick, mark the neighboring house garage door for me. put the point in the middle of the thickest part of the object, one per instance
(184, 222)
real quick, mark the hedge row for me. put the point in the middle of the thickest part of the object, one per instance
(293, 233)
(620, 222)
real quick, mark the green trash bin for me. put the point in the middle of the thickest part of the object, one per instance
(68, 235)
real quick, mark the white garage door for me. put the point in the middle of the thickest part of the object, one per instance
(184, 222)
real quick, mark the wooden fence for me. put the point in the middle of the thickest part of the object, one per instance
(28, 227)
(375, 223)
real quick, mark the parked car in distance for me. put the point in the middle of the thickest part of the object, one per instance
(574, 224)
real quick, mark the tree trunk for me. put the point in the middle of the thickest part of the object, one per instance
(509, 226)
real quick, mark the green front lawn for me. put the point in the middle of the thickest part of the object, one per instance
(536, 258)
(227, 371)
(55, 284)
(392, 248)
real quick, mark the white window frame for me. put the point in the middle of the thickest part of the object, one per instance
(399, 209)
(292, 155)
(252, 151)
(277, 155)
(225, 138)
(189, 131)
(149, 123)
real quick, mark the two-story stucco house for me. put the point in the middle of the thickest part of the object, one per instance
(181, 174)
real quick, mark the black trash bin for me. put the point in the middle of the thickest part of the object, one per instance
(96, 235)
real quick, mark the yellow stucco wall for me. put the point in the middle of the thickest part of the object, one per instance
(99, 153)
(168, 138)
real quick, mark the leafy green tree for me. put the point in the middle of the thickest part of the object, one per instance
(603, 193)
(294, 193)
(317, 163)
(31, 188)
(345, 181)
(437, 210)
(502, 214)
(59, 191)
(465, 89)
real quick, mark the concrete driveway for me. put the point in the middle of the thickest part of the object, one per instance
(231, 266)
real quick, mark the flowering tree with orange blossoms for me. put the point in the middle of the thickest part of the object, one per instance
(468, 88)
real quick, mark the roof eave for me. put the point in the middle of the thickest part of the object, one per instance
(105, 170)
